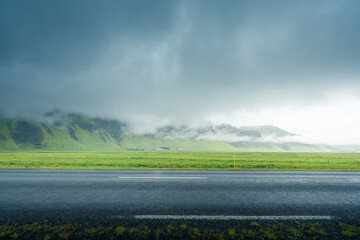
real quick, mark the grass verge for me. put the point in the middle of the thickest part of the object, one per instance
(254, 230)
(181, 160)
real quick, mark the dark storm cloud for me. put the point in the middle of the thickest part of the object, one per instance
(173, 59)
(67, 35)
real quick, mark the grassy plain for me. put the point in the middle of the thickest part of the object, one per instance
(180, 160)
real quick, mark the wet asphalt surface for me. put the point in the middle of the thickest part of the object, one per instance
(102, 196)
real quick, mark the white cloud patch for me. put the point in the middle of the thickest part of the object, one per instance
(334, 120)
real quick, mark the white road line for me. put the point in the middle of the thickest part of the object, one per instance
(226, 217)
(162, 177)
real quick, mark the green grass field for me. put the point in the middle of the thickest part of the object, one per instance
(181, 160)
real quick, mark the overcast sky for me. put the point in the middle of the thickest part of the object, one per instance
(293, 64)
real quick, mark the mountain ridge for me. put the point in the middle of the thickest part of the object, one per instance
(75, 132)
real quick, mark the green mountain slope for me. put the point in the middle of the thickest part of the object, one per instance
(134, 142)
(268, 130)
(84, 134)
(73, 132)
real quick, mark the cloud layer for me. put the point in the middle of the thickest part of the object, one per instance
(181, 62)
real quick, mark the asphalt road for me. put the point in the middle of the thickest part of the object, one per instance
(150, 195)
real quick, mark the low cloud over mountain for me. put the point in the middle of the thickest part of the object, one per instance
(69, 132)
(223, 132)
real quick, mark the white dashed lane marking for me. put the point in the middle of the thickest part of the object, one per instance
(226, 217)
(163, 178)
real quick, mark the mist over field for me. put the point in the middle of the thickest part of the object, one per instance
(293, 65)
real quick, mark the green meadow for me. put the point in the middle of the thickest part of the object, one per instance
(180, 160)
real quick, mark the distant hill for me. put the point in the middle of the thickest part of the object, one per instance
(269, 130)
(223, 132)
(74, 132)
